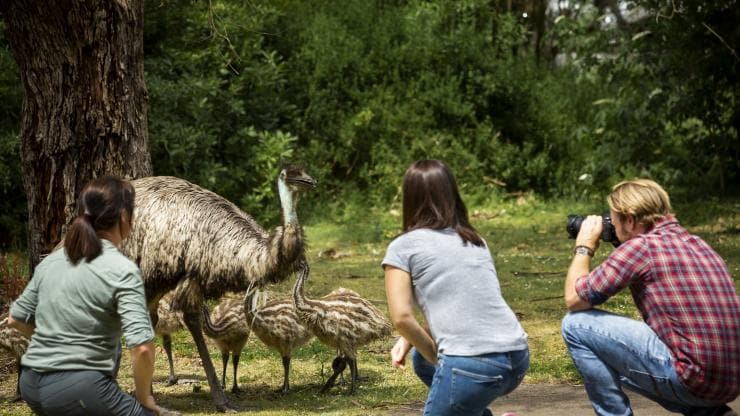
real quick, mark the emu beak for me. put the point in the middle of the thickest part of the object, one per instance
(304, 181)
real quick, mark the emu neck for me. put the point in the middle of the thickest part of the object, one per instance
(250, 305)
(299, 299)
(287, 202)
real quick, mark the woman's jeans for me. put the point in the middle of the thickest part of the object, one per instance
(467, 385)
(613, 351)
(82, 392)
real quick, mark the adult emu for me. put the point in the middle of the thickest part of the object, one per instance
(194, 241)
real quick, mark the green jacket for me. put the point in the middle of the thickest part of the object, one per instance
(80, 311)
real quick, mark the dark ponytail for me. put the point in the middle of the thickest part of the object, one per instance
(100, 206)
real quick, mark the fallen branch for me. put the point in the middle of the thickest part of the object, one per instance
(536, 273)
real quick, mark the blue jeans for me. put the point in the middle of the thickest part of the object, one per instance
(613, 351)
(465, 386)
(81, 392)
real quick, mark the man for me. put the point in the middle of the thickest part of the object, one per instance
(686, 353)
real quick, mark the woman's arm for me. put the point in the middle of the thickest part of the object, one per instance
(399, 351)
(142, 358)
(401, 308)
(24, 328)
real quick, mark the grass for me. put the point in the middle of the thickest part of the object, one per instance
(531, 252)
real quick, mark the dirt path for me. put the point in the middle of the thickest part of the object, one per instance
(553, 400)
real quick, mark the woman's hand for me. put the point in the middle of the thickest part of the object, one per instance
(149, 404)
(399, 352)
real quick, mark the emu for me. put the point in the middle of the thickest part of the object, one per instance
(169, 321)
(343, 320)
(276, 324)
(228, 328)
(15, 343)
(201, 245)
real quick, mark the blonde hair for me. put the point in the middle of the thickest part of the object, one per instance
(644, 199)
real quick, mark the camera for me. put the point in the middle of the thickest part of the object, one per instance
(608, 233)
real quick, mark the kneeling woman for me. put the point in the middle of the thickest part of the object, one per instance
(474, 349)
(79, 302)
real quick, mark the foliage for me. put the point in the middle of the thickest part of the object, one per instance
(357, 90)
(667, 88)
(13, 272)
(12, 202)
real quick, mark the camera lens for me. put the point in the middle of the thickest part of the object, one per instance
(608, 233)
(573, 225)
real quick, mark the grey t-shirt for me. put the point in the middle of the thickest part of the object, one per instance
(80, 311)
(457, 288)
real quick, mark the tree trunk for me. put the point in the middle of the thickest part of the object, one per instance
(84, 109)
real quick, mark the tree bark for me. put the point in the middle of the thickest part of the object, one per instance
(85, 102)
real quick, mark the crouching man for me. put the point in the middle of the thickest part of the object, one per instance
(685, 354)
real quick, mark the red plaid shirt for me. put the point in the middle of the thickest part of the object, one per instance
(686, 295)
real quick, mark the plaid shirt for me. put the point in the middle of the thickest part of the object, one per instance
(686, 295)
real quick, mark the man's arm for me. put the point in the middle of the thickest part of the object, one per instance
(579, 266)
(587, 237)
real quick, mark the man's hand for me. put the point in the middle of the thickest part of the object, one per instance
(590, 232)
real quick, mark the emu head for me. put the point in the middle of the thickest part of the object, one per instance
(295, 179)
(292, 180)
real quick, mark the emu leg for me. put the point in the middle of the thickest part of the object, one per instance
(338, 365)
(353, 371)
(18, 397)
(167, 344)
(286, 370)
(225, 361)
(235, 364)
(192, 321)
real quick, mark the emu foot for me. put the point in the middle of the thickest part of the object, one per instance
(167, 412)
(227, 408)
(171, 381)
(326, 388)
(236, 390)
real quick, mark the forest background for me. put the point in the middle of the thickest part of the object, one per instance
(559, 99)
(539, 107)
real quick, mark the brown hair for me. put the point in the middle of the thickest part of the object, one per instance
(100, 207)
(644, 199)
(431, 200)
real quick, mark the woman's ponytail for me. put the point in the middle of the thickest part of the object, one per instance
(82, 240)
(100, 206)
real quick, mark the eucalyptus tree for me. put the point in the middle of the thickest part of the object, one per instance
(84, 112)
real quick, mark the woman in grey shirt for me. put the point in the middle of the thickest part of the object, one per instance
(474, 349)
(78, 304)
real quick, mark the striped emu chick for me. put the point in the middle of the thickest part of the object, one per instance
(169, 321)
(276, 324)
(343, 320)
(227, 326)
(15, 343)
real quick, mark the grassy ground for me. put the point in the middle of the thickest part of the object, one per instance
(531, 252)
